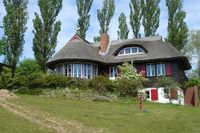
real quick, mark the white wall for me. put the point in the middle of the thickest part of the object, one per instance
(162, 99)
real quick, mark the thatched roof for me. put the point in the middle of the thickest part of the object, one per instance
(81, 50)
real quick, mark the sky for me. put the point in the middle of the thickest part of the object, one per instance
(68, 17)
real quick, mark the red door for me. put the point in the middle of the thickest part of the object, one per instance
(154, 94)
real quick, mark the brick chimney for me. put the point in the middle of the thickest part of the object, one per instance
(104, 42)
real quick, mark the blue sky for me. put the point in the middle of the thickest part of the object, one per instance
(68, 16)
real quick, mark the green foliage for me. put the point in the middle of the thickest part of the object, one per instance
(167, 82)
(105, 15)
(52, 81)
(46, 30)
(2, 45)
(192, 82)
(129, 82)
(135, 17)
(83, 8)
(97, 39)
(192, 49)
(27, 91)
(78, 83)
(123, 27)
(14, 25)
(101, 84)
(27, 68)
(151, 14)
(6, 79)
(177, 28)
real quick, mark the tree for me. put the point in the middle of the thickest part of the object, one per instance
(123, 27)
(151, 14)
(177, 28)
(129, 81)
(105, 15)
(46, 30)
(192, 49)
(135, 17)
(83, 8)
(14, 25)
(1, 46)
(97, 39)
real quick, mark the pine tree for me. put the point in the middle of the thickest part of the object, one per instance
(135, 17)
(177, 28)
(123, 27)
(46, 30)
(83, 8)
(97, 39)
(151, 14)
(105, 15)
(14, 25)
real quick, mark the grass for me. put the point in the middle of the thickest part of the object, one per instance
(117, 117)
(11, 123)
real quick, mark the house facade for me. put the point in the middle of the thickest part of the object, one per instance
(82, 59)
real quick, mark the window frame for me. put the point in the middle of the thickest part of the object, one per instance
(150, 72)
(113, 72)
(162, 70)
(123, 51)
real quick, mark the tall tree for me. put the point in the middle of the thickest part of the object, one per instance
(123, 27)
(177, 28)
(105, 15)
(83, 8)
(14, 25)
(46, 30)
(151, 14)
(192, 49)
(135, 17)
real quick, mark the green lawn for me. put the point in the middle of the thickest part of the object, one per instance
(10, 123)
(118, 117)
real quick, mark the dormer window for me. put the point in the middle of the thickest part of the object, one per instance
(131, 50)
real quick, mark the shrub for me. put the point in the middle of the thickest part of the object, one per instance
(128, 82)
(27, 91)
(101, 84)
(49, 81)
(192, 82)
(78, 83)
(6, 79)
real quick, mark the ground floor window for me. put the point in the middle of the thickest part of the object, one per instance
(161, 69)
(147, 94)
(59, 69)
(68, 69)
(78, 70)
(113, 71)
(166, 93)
(151, 70)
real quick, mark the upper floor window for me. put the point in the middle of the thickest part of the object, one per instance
(151, 70)
(161, 70)
(131, 50)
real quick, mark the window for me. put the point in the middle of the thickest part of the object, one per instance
(147, 94)
(113, 71)
(166, 93)
(77, 70)
(151, 70)
(131, 50)
(95, 70)
(161, 69)
(87, 71)
(68, 69)
(59, 69)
